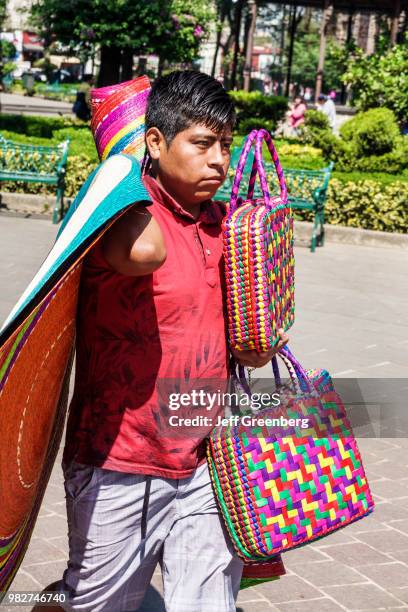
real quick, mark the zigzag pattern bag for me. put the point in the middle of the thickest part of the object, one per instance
(279, 488)
(258, 255)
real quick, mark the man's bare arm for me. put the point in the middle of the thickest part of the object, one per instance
(134, 245)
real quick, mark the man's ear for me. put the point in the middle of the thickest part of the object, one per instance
(155, 142)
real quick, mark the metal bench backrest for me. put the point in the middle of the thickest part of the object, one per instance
(303, 185)
(38, 160)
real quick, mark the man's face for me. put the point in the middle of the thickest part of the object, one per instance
(195, 164)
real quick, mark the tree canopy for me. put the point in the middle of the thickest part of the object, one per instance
(380, 79)
(172, 29)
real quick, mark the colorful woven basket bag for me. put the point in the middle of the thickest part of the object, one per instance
(258, 256)
(279, 487)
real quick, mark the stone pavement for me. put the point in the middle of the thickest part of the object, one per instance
(351, 318)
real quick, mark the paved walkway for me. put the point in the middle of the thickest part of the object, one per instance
(352, 318)
(32, 105)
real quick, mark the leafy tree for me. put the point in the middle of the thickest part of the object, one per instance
(380, 80)
(8, 53)
(172, 29)
(190, 22)
(8, 50)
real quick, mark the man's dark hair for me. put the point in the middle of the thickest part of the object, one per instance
(184, 97)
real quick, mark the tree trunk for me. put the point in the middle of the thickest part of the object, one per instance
(109, 72)
(160, 66)
(238, 15)
(322, 50)
(296, 18)
(217, 48)
(250, 45)
(127, 64)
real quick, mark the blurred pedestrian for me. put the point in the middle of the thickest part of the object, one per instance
(326, 105)
(296, 115)
(82, 107)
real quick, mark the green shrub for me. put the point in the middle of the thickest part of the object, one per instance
(370, 142)
(380, 79)
(255, 105)
(316, 120)
(367, 204)
(378, 201)
(316, 132)
(78, 169)
(247, 125)
(374, 132)
(32, 125)
(82, 142)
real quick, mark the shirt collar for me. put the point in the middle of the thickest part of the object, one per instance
(210, 213)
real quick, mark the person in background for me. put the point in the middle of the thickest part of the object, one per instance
(326, 105)
(308, 94)
(296, 115)
(82, 105)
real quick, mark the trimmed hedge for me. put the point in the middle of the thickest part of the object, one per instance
(367, 204)
(32, 125)
(370, 142)
(370, 201)
(254, 110)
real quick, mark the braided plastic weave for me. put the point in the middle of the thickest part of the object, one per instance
(277, 492)
(118, 118)
(258, 255)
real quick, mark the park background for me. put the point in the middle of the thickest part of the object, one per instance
(351, 294)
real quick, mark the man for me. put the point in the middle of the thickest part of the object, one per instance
(151, 309)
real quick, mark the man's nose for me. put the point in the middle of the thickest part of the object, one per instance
(217, 158)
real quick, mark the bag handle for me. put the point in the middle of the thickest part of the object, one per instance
(293, 364)
(296, 372)
(258, 168)
(240, 169)
(261, 136)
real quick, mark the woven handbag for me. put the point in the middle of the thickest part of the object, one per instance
(280, 488)
(258, 255)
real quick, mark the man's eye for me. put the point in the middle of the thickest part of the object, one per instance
(203, 143)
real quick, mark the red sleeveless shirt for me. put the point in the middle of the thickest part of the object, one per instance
(135, 331)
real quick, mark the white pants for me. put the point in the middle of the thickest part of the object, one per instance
(110, 563)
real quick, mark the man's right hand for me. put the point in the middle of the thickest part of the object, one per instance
(134, 245)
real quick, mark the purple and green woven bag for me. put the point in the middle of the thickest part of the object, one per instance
(258, 255)
(280, 488)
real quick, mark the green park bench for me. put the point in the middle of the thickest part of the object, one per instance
(307, 190)
(36, 164)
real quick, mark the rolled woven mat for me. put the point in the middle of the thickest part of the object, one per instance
(118, 118)
(36, 344)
